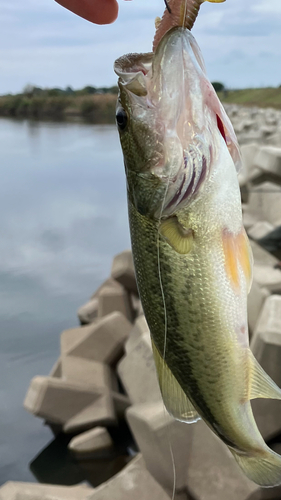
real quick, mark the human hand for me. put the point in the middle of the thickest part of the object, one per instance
(96, 11)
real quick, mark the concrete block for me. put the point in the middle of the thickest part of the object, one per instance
(137, 305)
(249, 136)
(275, 139)
(13, 490)
(212, 472)
(245, 125)
(249, 219)
(88, 374)
(272, 242)
(121, 403)
(123, 270)
(271, 116)
(156, 434)
(138, 374)
(133, 483)
(92, 441)
(265, 202)
(100, 412)
(266, 346)
(248, 152)
(101, 341)
(112, 299)
(260, 229)
(140, 327)
(56, 370)
(111, 282)
(267, 131)
(268, 277)
(59, 402)
(268, 159)
(88, 312)
(261, 256)
(266, 341)
(72, 337)
(256, 300)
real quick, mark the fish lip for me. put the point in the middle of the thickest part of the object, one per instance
(132, 71)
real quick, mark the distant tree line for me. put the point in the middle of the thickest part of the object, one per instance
(218, 86)
(32, 91)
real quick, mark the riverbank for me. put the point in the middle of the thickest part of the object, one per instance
(96, 108)
(262, 98)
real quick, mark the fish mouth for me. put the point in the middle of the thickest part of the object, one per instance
(169, 90)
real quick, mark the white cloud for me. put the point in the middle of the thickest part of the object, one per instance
(42, 43)
(268, 6)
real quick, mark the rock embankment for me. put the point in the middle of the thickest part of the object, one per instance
(253, 124)
(106, 372)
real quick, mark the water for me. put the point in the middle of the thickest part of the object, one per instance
(63, 215)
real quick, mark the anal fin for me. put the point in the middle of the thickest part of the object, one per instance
(260, 384)
(175, 400)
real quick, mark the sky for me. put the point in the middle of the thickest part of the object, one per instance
(43, 44)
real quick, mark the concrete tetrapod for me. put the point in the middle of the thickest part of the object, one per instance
(138, 373)
(101, 341)
(266, 346)
(212, 472)
(134, 482)
(64, 403)
(13, 490)
(162, 440)
(123, 270)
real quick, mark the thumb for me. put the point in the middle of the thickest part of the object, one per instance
(95, 11)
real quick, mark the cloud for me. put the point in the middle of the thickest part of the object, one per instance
(268, 7)
(44, 44)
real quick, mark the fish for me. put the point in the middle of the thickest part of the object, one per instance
(192, 257)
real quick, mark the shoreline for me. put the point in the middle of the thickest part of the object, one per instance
(100, 107)
(97, 108)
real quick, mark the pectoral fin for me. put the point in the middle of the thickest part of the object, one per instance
(180, 239)
(175, 400)
(260, 384)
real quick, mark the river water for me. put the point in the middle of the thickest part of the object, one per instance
(63, 216)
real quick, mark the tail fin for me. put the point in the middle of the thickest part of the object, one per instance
(264, 468)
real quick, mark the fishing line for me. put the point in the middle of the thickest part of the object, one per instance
(163, 294)
(168, 6)
(159, 272)
(165, 329)
(173, 465)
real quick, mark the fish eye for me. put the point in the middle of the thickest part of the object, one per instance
(121, 118)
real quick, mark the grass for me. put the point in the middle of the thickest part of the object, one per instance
(97, 108)
(263, 98)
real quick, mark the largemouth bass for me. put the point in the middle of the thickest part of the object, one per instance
(192, 257)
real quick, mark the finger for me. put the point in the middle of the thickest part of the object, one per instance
(96, 11)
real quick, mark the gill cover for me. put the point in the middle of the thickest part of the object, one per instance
(176, 124)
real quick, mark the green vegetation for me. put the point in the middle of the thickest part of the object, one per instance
(93, 104)
(97, 105)
(218, 86)
(263, 98)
